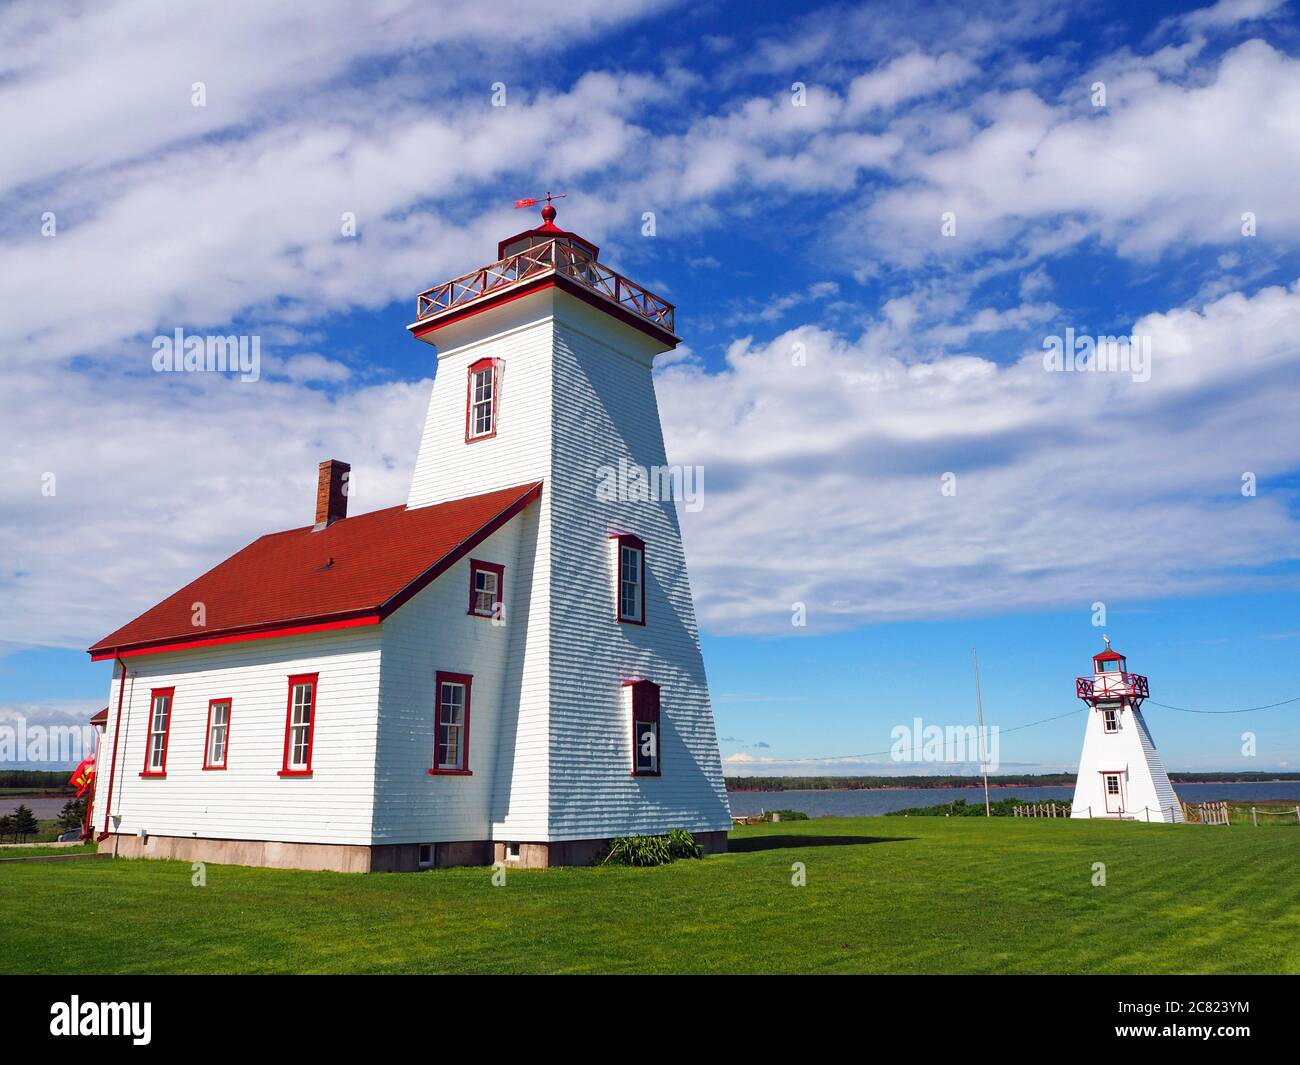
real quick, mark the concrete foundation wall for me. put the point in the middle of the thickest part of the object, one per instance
(386, 858)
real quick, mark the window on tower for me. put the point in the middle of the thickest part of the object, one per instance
(630, 590)
(1110, 665)
(1110, 716)
(643, 695)
(481, 406)
(486, 588)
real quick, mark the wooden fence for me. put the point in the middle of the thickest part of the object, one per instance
(1042, 809)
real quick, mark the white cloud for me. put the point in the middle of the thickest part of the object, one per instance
(1165, 165)
(824, 480)
(909, 77)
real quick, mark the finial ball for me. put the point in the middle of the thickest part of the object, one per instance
(548, 213)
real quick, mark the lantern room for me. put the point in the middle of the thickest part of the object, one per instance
(1110, 679)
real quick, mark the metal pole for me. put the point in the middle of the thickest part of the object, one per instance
(979, 703)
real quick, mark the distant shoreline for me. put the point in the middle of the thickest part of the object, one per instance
(770, 784)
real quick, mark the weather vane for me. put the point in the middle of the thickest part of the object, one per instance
(533, 201)
(548, 212)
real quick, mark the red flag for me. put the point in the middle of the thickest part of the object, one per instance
(525, 203)
(84, 775)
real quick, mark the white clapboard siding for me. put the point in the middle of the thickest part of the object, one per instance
(248, 800)
(1148, 794)
(577, 393)
(507, 728)
(609, 412)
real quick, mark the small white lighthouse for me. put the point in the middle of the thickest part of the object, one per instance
(1121, 774)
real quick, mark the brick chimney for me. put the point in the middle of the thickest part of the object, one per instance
(332, 492)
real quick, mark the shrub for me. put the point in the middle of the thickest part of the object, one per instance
(653, 850)
(786, 815)
(681, 844)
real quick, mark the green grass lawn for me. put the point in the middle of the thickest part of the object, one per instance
(884, 894)
(7, 851)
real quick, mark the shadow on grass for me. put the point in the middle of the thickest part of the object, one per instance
(777, 843)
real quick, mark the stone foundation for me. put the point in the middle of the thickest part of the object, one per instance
(381, 858)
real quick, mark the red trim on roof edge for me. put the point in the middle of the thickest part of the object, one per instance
(264, 633)
(452, 557)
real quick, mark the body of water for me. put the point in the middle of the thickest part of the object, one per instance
(871, 802)
(865, 803)
(44, 807)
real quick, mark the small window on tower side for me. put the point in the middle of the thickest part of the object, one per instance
(481, 405)
(486, 589)
(630, 585)
(1111, 718)
(643, 696)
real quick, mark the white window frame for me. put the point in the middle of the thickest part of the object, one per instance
(482, 402)
(459, 726)
(640, 730)
(631, 587)
(210, 760)
(159, 718)
(300, 725)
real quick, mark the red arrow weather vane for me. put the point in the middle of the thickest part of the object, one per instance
(533, 201)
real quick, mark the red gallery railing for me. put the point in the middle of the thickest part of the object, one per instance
(1131, 685)
(554, 256)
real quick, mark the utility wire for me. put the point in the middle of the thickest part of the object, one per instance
(1070, 713)
(1243, 710)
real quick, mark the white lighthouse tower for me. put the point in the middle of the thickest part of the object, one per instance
(1121, 774)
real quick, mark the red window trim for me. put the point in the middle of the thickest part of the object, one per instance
(300, 678)
(158, 774)
(492, 567)
(645, 707)
(631, 541)
(474, 368)
(207, 733)
(439, 679)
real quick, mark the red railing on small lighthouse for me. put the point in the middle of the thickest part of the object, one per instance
(1111, 686)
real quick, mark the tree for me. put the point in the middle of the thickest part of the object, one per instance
(25, 823)
(73, 814)
(8, 827)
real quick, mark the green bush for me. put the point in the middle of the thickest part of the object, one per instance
(786, 815)
(653, 850)
(681, 844)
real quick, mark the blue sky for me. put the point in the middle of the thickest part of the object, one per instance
(785, 220)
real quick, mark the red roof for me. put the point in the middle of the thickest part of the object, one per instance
(356, 571)
(100, 718)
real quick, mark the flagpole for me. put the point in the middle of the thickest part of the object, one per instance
(979, 703)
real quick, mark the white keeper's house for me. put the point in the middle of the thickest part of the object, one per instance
(506, 668)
